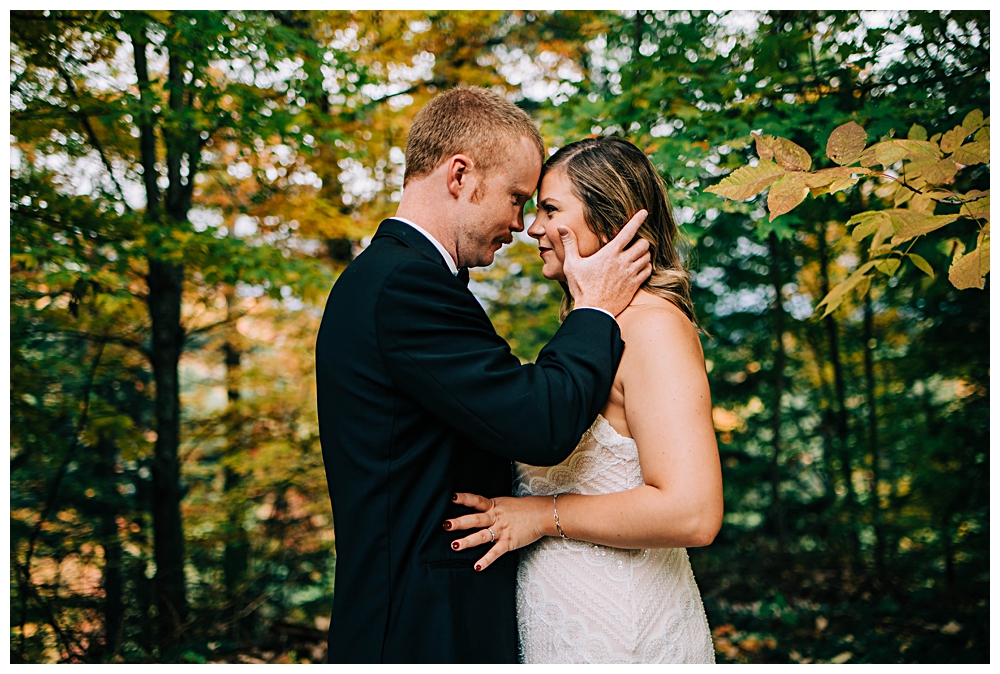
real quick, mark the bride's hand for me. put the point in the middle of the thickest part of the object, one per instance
(515, 522)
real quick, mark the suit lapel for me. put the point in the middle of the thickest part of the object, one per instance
(413, 239)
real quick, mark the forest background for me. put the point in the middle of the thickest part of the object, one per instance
(186, 186)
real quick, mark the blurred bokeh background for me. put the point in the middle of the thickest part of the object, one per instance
(186, 186)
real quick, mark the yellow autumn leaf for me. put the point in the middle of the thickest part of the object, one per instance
(965, 269)
(747, 181)
(976, 152)
(917, 132)
(787, 154)
(842, 184)
(984, 248)
(887, 266)
(868, 226)
(921, 264)
(976, 204)
(787, 193)
(889, 152)
(918, 224)
(828, 176)
(846, 143)
(973, 120)
(941, 171)
(953, 138)
(840, 291)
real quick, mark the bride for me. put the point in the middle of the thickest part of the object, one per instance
(604, 575)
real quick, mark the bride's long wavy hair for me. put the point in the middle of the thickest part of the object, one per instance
(615, 180)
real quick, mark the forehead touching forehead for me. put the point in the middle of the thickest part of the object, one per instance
(472, 121)
(524, 168)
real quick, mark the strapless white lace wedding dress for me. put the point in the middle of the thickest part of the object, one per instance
(581, 602)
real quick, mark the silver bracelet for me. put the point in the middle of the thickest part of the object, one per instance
(555, 516)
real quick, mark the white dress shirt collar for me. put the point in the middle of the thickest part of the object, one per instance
(448, 259)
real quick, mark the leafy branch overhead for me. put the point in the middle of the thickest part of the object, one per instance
(912, 173)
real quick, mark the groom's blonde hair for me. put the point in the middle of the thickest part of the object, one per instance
(467, 120)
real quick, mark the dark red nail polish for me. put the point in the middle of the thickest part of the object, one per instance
(454, 546)
(478, 568)
(447, 526)
(454, 497)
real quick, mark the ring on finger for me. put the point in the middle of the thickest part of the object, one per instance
(493, 536)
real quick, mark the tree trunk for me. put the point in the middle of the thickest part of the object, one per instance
(778, 388)
(876, 512)
(237, 551)
(114, 607)
(165, 280)
(147, 134)
(145, 592)
(840, 391)
(165, 284)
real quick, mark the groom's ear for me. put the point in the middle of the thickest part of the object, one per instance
(457, 174)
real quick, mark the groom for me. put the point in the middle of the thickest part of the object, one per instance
(420, 398)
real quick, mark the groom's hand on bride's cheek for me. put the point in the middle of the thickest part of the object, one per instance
(609, 278)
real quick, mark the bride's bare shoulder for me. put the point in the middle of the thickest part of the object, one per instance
(654, 321)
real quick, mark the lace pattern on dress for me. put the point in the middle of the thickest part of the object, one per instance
(581, 602)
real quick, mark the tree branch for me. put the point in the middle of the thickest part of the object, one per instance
(92, 135)
(213, 326)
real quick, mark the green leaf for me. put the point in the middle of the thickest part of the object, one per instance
(787, 193)
(921, 264)
(781, 228)
(747, 181)
(846, 143)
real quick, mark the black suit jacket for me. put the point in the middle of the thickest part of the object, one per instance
(419, 398)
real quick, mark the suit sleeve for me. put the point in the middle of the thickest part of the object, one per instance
(441, 349)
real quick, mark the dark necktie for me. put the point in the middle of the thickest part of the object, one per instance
(463, 276)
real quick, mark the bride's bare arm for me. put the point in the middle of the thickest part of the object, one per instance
(669, 411)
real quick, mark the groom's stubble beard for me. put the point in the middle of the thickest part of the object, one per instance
(480, 237)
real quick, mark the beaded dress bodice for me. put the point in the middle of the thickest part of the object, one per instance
(581, 602)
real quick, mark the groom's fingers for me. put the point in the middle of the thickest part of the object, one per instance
(627, 233)
(638, 250)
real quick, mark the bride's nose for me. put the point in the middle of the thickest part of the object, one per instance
(536, 231)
